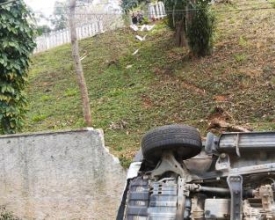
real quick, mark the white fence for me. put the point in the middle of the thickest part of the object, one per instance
(61, 37)
(156, 10)
(110, 22)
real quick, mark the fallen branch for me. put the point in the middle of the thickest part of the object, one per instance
(216, 123)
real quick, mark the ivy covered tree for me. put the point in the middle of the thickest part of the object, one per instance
(17, 33)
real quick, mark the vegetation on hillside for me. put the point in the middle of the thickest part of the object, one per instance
(17, 36)
(6, 215)
(161, 84)
(192, 22)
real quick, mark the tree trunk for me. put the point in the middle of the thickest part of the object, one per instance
(180, 34)
(78, 66)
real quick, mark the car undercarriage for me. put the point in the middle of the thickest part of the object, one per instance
(177, 176)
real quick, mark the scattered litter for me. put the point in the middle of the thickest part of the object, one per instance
(134, 27)
(150, 27)
(135, 52)
(129, 66)
(141, 38)
(147, 27)
(144, 27)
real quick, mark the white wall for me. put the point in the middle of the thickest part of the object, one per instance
(63, 175)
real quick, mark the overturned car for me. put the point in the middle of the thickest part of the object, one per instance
(177, 176)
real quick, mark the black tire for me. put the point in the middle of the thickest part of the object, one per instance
(183, 140)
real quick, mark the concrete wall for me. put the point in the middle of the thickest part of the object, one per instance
(63, 175)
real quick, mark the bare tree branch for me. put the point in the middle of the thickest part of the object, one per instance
(216, 123)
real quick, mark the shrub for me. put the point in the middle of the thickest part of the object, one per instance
(17, 43)
(200, 30)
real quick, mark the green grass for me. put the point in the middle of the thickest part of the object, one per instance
(160, 84)
(6, 215)
(272, 2)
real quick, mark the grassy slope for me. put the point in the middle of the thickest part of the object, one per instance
(161, 85)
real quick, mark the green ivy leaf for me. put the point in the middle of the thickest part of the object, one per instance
(17, 37)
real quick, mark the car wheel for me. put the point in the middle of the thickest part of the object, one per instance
(184, 141)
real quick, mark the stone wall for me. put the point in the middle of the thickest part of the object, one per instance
(63, 175)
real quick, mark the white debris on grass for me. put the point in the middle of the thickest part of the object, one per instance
(134, 27)
(144, 27)
(135, 52)
(150, 27)
(141, 38)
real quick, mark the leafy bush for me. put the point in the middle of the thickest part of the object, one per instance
(17, 43)
(200, 30)
(193, 23)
